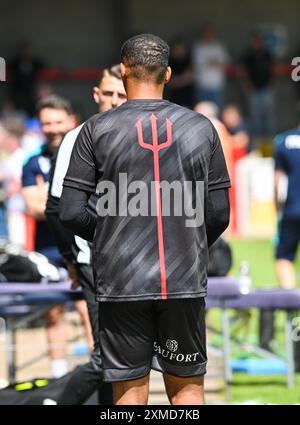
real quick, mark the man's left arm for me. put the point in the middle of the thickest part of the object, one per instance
(218, 214)
(218, 206)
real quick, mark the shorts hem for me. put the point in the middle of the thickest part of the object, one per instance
(181, 371)
(116, 375)
(290, 258)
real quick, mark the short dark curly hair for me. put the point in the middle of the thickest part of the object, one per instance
(147, 56)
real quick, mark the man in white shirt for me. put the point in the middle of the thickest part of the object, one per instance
(210, 59)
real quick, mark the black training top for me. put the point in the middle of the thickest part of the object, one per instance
(142, 249)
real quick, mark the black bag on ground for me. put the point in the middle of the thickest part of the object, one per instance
(37, 391)
(17, 265)
(45, 391)
(220, 258)
(17, 268)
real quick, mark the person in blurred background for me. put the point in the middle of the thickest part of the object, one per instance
(181, 87)
(24, 69)
(11, 173)
(108, 93)
(287, 164)
(258, 63)
(235, 125)
(56, 119)
(210, 59)
(19, 137)
(3, 156)
(287, 168)
(211, 111)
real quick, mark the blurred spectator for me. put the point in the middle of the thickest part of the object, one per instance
(210, 110)
(287, 163)
(33, 137)
(56, 120)
(3, 156)
(181, 88)
(11, 172)
(55, 116)
(43, 91)
(210, 59)
(233, 121)
(287, 169)
(258, 63)
(7, 109)
(23, 71)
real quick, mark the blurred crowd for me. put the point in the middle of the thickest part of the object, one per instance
(34, 119)
(199, 81)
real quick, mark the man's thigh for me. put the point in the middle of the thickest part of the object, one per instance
(184, 390)
(126, 339)
(180, 346)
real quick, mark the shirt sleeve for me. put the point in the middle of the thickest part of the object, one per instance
(78, 219)
(81, 173)
(218, 177)
(61, 162)
(279, 156)
(29, 173)
(218, 214)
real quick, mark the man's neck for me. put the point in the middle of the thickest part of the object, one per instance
(144, 91)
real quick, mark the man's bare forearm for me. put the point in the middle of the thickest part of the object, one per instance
(35, 206)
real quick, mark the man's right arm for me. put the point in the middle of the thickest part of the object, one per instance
(74, 213)
(79, 185)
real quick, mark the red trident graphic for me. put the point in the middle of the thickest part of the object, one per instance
(155, 148)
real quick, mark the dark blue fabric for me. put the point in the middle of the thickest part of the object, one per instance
(39, 164)
(287, 159)
(289, 237)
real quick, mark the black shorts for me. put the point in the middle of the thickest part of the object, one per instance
(168, 336)
(289, 237)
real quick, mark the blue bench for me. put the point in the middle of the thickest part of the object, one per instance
(224, 293)
(21, 303)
